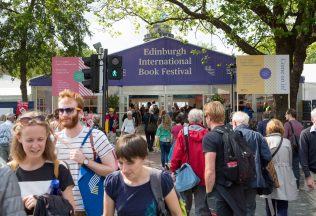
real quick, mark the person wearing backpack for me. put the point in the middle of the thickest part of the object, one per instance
(195, 157)
(223, 197)
(35, 163)
(292, 131)
(262, 153)
(129, 190)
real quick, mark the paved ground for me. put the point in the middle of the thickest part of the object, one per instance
(296, 208)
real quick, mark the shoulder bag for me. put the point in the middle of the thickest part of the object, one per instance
(185, 176)
(270, 168)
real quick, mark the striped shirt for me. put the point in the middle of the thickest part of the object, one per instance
(64, 144)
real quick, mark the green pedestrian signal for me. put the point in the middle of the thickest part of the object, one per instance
(114, 73)
(115, 70)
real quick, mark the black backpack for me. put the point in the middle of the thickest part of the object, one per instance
(239, 160)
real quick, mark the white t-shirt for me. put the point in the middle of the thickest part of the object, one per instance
(128, 126)
(101, 145)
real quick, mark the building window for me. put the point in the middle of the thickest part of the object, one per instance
(41, 106)
(90, 103)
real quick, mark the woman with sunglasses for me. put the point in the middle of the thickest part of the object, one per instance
(33, 155)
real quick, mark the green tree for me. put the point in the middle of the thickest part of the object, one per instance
(256, 27)
(33, 31)
(113, 102)
(311, 54)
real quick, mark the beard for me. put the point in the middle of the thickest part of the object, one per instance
(73, 121)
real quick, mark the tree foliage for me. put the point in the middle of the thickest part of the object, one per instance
(33, 31)
(311, 54)
(256, 27)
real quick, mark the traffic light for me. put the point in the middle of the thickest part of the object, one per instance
(115, 70)
(91, 74)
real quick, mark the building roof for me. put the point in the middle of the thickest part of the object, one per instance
(43, 80)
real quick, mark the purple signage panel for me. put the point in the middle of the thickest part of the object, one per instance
(167, 61)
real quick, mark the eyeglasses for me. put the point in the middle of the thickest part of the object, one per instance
(68, 110)
(40, 119)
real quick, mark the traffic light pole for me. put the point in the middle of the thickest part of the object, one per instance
(105, 88)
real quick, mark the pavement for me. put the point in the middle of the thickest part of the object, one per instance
(296, 208)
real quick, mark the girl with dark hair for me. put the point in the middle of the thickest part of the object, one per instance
(128, 190)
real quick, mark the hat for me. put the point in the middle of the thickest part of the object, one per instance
(111, 110)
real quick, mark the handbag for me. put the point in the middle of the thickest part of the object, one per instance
(91, 185)
(152, 126)
(271, 169)
(185, 176)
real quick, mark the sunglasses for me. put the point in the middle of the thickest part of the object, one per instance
(68, 110)
(40, 119)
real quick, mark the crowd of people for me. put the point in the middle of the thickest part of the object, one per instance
(43, 151)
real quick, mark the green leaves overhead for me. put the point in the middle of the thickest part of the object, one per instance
(33, 31)
(256, 27)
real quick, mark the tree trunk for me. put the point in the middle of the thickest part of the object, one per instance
(23, 87)
(23, 69)
(295, 47)
(280, 106)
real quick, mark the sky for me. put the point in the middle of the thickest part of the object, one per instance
(130, 38)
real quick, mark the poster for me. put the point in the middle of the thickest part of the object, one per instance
(263, 74)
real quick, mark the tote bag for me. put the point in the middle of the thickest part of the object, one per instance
(186, 178)
(91, 186)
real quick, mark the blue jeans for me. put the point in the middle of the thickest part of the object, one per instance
(199, 195)
(216, 202)
(280, 207)
(165, 149)
(296, 168)
(250, 195)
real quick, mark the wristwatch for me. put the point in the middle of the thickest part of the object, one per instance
(86, 161)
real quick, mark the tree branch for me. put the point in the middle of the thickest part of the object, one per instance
(6, 6)
(242, 44)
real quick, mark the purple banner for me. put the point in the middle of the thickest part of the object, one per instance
(167, 61)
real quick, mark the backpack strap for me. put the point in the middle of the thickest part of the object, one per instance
(186, 138)
(13, 165)
(155, 184)
(56, 168)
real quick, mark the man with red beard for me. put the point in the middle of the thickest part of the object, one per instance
(70, 147)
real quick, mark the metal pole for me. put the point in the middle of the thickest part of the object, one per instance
(105, 88)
